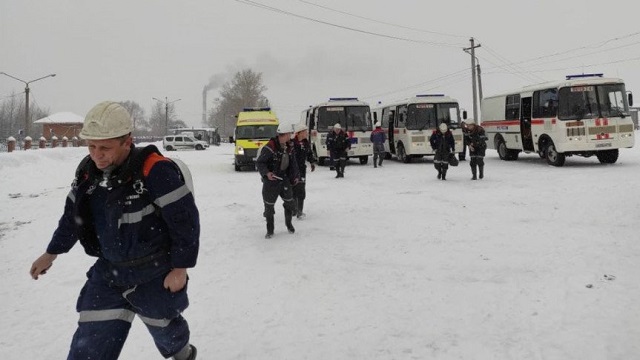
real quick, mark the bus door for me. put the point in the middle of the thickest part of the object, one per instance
(391, 128)
(525, 124)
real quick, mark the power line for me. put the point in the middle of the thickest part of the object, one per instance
(382, 22)
(458, 73)
(270, 8)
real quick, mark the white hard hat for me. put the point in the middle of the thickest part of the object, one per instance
(300, 127)
(282, 129)
(107, 120)
(443, 127)
(470, 122)
(337, 126)
(377, 124)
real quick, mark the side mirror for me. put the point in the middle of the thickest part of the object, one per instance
(464, 114)
(231, 139)
(630, 99)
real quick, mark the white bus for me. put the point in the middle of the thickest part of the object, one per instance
(583, 115)
(408, 124)
(355, 118)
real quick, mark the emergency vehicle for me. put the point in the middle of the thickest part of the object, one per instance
(583, 115)
(254, 128)
(408, 124)
(354, 117)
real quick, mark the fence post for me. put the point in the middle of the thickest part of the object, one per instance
(42, 143)
(74, 141)
(54, 141)
(11, 144)
(65, 141)
(27, 142)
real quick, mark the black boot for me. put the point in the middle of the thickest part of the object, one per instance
(444, 174)
(473, 172)
(300, 215)
(270, 227)
(287, 220)
(380, 161)
(481, 168)
(188, 353)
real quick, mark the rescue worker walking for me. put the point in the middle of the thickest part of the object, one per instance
(130, 208)
(304, 154)
(278, 169)
(477, 141)
(443, 144)
(338, 143)
(377, 138)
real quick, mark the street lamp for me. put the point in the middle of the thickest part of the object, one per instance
(166, 112)
(27, 123)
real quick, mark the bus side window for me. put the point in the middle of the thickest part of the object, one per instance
(545, 103)
(512, 107)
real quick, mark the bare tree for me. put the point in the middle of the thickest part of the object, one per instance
(244, 90)
(140, 123)
(12, 114)
(164, 118)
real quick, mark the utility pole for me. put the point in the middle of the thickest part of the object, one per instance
(166, 103)
(472, 50)
(27, 122)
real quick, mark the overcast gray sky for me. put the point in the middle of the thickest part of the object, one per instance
(307, 50)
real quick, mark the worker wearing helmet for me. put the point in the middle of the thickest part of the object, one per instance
(477, 142)
(278, 169)
(377, 138)
(130, 208)
(338, 144)
(304, 154)
(443, 144)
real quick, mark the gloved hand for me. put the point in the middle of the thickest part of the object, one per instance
(313, 167)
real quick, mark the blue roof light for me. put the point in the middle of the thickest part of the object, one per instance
(578, 76)
(343, 99)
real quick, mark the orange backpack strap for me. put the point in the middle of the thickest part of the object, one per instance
(150, 161)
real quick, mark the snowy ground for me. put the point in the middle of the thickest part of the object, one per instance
(534, 262)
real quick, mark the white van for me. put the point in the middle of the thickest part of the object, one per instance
(175, 142)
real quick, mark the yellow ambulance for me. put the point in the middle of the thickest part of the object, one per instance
(254, 128)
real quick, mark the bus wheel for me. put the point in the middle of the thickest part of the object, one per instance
(607, 156)
(553, 156)
(501, 146)
(402, 155)
(237, 167)
(364, 160)
(169, 148)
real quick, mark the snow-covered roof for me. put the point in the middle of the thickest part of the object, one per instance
(61, 118)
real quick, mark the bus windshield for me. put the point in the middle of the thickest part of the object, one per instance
(592, 101)
(351, 118)
(256, 131)
(429, 116)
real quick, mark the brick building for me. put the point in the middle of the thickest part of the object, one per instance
(61, 124)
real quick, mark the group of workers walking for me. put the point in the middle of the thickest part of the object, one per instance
(134, 210)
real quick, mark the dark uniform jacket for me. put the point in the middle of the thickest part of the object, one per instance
(442, 144)
(304, 153)
(139, 226)
(477, 141)
(338, 144)
(280, 161)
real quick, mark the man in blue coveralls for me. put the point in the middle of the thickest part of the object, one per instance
(130, 208)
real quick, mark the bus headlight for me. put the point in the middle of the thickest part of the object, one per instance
(240, 150)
